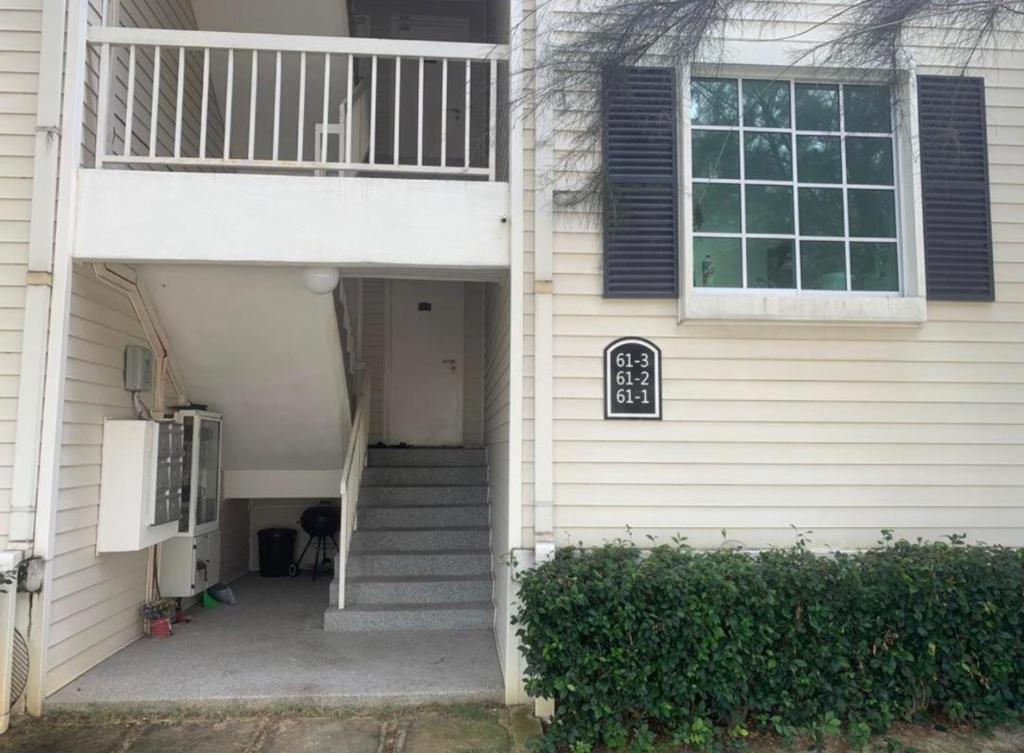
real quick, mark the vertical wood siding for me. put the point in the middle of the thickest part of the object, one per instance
(473, 356)
(95, 598)
(497, 332)
(842, 430)
(20, 23)
(375, 324)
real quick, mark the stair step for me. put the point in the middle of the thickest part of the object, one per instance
(419, 457)
(411, 475)
(423, 495)
(469, 562)
(422, 516)
(438, 589)
(477, 614)
(419, 539)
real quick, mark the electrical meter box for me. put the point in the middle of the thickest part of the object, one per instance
(138, 369)
(140, 484)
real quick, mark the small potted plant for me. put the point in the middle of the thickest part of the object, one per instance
(159, 614)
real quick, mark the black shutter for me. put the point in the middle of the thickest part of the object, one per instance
(640, 208)
(954, 185)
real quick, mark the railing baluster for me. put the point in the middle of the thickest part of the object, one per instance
(398, 103)
(277, 103)
(419, 119)
(348, 111)
(444, 110)
(302, 106)
(254, 82)
(204, 114)
(229, 99)
(179, 101)
(129, 115)
(468, 109)
(154, 106)
(327, 111)
(103, 106)
(493, 124)
(373, 110)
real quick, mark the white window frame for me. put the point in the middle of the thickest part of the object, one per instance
(759, 304)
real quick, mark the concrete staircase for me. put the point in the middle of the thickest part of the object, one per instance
(420, 558)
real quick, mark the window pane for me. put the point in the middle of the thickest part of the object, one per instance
(872, 213)
(765, 104)
(868, 109)
(817, 107)
(770, 263)
(716, 208)
(874, 266)
(822, 265)
(821, 211)
(716, 154)
(818, 159)
(869, 160)
(768, 156)
(770, 209)
(717, 263)
(714, 101)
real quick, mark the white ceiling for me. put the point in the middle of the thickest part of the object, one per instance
(255, 345)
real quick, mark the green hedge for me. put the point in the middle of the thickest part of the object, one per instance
(696, 647)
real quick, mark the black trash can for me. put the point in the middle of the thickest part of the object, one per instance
(277, 549)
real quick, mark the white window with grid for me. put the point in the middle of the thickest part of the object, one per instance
(794, 187)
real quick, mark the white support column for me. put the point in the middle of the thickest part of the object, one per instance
(514, 693)
(57, 344)
(543, 301)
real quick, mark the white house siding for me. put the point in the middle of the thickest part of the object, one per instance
(842, 430)
(496, 438)
(19, 66)
(95, 598)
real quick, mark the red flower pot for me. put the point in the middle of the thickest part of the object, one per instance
(160, 628)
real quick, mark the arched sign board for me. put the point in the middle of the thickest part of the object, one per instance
(632, 379)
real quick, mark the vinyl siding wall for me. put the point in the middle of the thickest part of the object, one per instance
(95, 598)
(842, 430)
(20, 23)
(496, 439)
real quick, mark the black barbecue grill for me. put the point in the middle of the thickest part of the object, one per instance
(320, 522)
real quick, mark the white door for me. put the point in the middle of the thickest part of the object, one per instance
(424, 368)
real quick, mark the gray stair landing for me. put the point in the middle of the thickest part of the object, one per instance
(420, 558)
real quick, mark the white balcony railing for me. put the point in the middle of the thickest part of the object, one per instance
(265, 102)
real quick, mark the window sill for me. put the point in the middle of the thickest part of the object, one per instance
(853, 309)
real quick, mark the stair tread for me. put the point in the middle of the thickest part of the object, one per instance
(419, 552)
(414, 607)
(481, 577)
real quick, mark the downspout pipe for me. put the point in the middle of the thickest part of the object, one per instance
(39, 276)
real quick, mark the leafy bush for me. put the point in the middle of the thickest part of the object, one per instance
(703, 646)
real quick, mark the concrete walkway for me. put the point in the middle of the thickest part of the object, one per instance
(272, 647)
(466, 729)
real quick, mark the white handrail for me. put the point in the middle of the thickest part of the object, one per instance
(352, 479)
(359, 46)
(160, 90)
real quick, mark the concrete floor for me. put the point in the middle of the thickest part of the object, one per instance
(272, 646)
